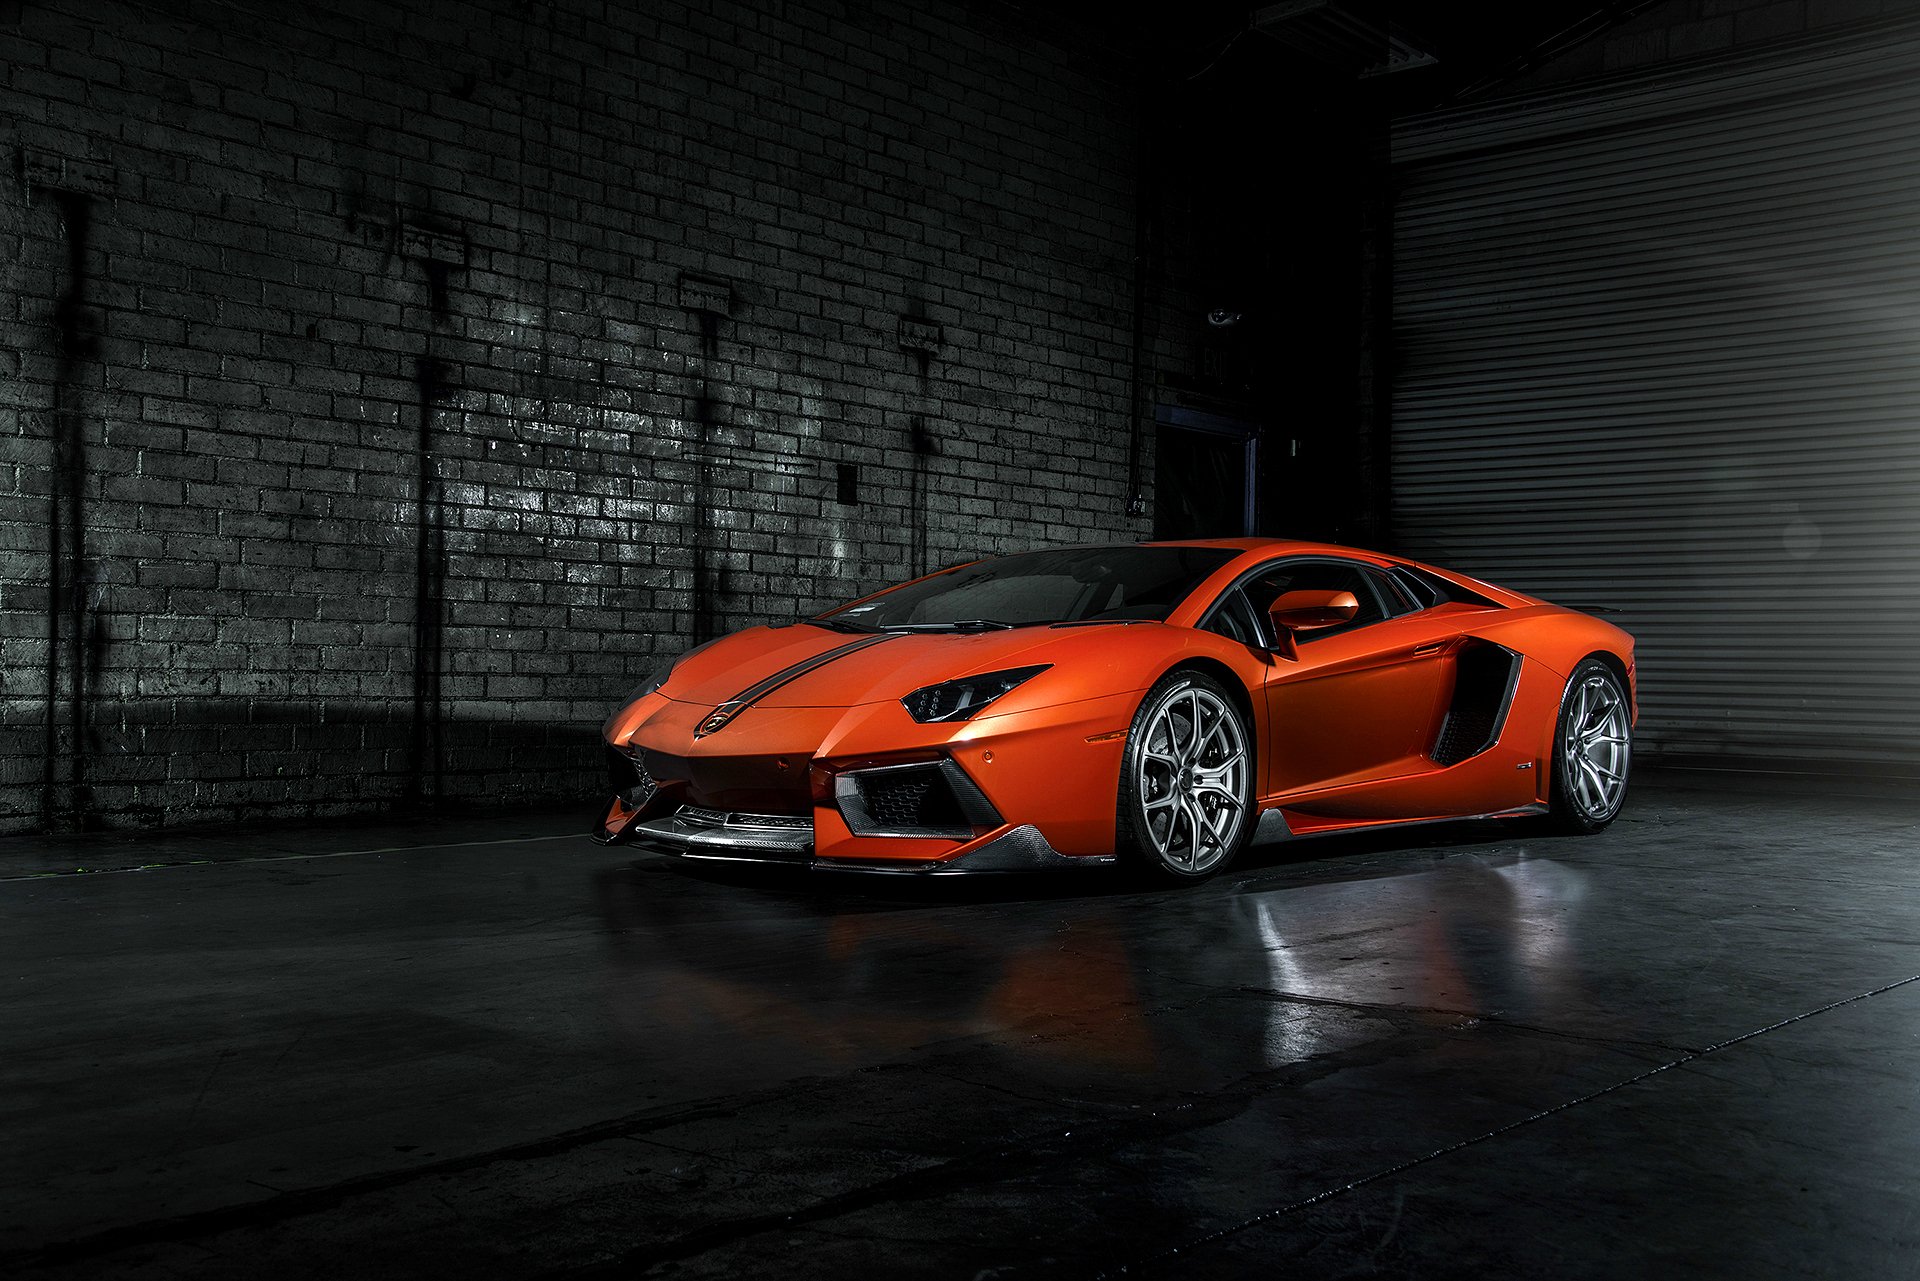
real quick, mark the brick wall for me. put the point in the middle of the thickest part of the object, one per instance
(385, 388)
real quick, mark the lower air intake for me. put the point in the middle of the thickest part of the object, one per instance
(912, 798)
(934, 799)
(629, 778)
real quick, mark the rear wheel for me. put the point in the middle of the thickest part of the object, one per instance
(1186, 781)
(1592, 749)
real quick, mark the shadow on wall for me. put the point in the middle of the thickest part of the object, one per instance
(75, 636)
(219, 760)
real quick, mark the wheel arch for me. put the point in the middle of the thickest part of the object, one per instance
(1564, 812)
(1134, 841)
(1613, 663)
(1236, 688)
(1607, 659)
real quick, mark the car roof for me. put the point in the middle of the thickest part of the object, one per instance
(1266, 545)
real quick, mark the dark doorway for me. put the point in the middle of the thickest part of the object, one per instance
(1204, 469)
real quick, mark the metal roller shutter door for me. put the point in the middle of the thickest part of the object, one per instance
(1657, 348)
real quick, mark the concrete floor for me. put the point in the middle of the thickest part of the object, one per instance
(1689, 1047)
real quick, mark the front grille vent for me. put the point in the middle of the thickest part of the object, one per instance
(732, 818)
(912, 798)
(629, 778)
(935, 799)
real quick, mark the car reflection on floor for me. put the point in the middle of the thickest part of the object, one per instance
(1459, 940)
(767, 978)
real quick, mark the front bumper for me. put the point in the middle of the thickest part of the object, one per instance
(702, 835)
(866, 788)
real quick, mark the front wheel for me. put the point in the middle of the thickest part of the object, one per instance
(1592, 747)
(1186, 781)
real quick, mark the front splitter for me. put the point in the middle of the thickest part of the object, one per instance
(713, 837)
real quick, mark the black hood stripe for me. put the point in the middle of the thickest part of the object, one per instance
(722, 715)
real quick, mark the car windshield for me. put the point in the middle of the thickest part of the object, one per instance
(1067, 585)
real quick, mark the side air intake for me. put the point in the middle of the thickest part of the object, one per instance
(1484, 678)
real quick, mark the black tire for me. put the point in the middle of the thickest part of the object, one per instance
(1186, 799)
(1592, 750)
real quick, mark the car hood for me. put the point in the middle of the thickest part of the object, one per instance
(806, 666)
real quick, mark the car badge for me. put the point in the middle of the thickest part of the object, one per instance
(718, 718)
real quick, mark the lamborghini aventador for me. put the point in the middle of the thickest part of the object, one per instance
(1162, 704)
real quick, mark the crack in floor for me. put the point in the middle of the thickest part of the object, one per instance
(1328, 1194)
(1065, 1140)
(1062, 1141)
(1044, 1147)
(302, 1201)
(1281, 996)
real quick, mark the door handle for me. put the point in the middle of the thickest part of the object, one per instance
(1421, 651)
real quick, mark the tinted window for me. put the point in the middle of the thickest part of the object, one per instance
(1424, 592)
(1430, 589)
(1317, 576)
(1068, 585)
(1397, 599)
(1235, 620)
(1264, 588)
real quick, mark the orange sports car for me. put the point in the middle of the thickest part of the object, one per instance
(1162, 704)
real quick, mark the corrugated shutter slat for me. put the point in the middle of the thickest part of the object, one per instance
(1657, 348)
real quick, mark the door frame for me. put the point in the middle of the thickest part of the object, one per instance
(1244, 430)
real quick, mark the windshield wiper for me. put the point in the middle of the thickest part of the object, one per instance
(957, 625)
(840, 625)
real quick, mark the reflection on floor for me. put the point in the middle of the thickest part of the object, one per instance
(1683, 1048)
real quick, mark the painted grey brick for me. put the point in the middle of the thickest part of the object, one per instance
(269, 338)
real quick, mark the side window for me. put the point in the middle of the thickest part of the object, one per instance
(1332, 576)
(1425, 595)
(1234, 619)
(1242, 613)
(1320, 576)
(1398, 601)
(1431, 590)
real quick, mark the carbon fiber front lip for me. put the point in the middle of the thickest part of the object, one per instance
(734, 837)
(777, 839)
(1023, 849)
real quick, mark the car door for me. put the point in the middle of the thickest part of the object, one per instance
(1355, 703)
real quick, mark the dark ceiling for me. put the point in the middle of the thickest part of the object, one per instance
(1404, 55)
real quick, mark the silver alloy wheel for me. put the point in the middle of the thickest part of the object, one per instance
(1192, 779)
(1594, 746)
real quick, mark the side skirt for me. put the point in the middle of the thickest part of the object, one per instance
(1272, 827)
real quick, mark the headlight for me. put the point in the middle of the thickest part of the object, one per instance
(663, 673)
(654, 682)
(958, 700)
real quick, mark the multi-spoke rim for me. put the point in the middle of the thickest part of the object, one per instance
(1193, 779)
(1595, 744)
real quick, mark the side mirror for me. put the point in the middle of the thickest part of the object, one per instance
(1309, 611)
